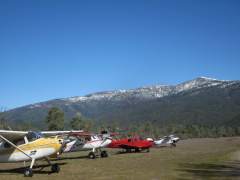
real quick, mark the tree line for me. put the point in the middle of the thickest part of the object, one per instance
(55, 120)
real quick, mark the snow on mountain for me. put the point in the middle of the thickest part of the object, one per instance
(143, 93)
(78, 98)
(198, 83)
(151, 92)
(201, 100)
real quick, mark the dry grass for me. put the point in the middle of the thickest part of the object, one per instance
(191, 159)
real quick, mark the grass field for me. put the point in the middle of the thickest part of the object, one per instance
(217, 159)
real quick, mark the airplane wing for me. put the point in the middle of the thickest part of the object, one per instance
(166, 140)
(13, 135)
(54, 133)
(82, 134)
(16, 135)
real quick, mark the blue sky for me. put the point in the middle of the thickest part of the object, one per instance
(55, 49)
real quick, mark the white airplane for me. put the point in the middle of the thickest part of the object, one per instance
(23, 146)
(170, 140)
(86, 141)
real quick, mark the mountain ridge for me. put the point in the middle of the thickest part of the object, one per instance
(201, 100)
(165, 88)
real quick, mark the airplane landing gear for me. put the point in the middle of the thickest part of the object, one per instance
(104, 154)
(128, 150)
(91, 155)
(28, 173)
(138, 149)
(55, 168)
(173, 145)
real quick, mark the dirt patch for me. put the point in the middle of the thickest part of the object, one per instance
(235, 156)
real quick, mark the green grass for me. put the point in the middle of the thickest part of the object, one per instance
(217, 159)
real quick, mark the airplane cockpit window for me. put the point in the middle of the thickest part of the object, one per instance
(20, 142)
(79, 143)
(32, 136)
(104, 132)
(80, 139)
(94, 138)
(87, 139)
(6, 145)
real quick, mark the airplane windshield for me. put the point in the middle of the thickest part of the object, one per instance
(94, 138)
(32, 136)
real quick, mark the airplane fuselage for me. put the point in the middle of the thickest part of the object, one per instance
(36, 149)
(131, 143)
(89, 145)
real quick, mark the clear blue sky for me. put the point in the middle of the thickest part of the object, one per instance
(54, 49)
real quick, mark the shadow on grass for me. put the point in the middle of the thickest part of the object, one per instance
(204, 170)
(124, 152)
(36, 169)
(132, 151)
(71, 158)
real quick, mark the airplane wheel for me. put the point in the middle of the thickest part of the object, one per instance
(28, 173)
(55, 168)
(91, 155)
(137, 150)
(104, 154)
(128, 150)
(148, 150)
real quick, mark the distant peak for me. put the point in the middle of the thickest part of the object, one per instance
(210, 79)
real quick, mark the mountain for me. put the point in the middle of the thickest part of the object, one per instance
(203, 100)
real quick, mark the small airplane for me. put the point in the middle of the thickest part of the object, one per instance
(82, 141)
(170, 140)
(23, 146)
(135, 143)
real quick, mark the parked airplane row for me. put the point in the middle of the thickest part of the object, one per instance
(23, 146)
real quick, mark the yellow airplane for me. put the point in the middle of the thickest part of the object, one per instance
(22, 146)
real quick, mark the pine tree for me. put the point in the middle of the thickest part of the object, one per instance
(77, 122)
(55, 119)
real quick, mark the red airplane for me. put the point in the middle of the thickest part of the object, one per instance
(135, 143)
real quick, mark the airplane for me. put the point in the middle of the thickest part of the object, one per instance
(170, 140)
(23, 146)
(135, 143)
(82, 141)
